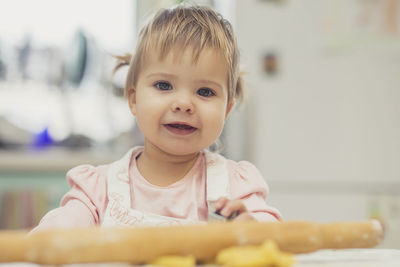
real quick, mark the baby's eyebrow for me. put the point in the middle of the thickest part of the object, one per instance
(162, 74)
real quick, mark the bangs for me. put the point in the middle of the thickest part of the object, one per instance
(180, 28)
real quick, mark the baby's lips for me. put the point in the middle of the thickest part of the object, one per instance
(181, 123)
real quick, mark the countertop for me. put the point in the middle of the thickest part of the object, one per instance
(54, 159)
(323, 258)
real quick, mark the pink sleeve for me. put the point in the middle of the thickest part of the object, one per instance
(247, 183)
(84, 205)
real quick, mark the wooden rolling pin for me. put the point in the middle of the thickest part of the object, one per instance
(143, 244)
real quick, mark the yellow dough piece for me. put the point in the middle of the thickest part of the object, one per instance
(174, 261)
(268, 254)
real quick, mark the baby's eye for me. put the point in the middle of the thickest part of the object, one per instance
(163, 86)
(206, 92)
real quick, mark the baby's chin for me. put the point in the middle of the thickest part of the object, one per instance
(183, 150)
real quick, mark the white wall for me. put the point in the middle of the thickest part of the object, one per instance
(331, 113)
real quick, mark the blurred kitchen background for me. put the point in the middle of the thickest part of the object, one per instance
(321, 120)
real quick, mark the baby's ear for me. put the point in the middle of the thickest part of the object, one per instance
(131, 95)
(229, 107)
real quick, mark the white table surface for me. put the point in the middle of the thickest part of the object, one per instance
(323, 258)
(350, 257)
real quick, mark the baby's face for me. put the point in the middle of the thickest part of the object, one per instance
(181, 106)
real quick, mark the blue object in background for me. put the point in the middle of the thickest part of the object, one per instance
(42, 140)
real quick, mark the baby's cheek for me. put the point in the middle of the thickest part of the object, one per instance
(218, 125)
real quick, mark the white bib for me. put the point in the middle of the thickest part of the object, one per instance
(119, 211)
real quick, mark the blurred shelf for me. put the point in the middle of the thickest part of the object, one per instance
(53, 160)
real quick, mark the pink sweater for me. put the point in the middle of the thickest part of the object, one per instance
(85, 204)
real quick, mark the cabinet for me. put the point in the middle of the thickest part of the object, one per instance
(26, 196)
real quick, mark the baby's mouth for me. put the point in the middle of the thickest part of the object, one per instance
(180, 128)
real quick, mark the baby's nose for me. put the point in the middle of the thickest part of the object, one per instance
(183, 105)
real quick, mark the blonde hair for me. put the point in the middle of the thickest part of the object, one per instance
(195, 26)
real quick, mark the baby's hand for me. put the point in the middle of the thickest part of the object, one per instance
(234, 208)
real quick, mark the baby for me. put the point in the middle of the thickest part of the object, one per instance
(183, 82)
